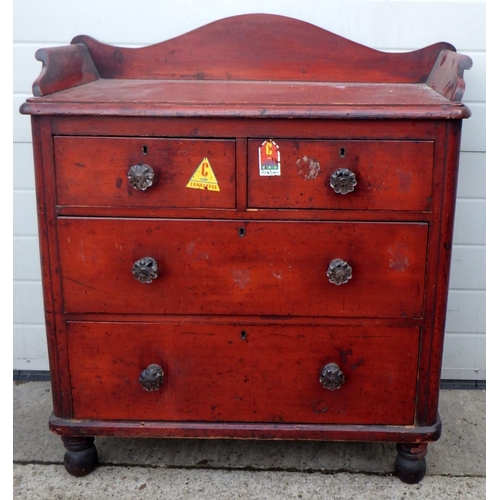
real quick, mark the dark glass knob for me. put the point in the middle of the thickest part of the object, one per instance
(339, 272)
(343, 181)
(140, 176)
(145, 270)
(151, 378)
(331, 377)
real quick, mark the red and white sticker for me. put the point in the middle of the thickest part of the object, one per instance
(269, 159)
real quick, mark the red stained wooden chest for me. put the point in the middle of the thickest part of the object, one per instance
(239, 243)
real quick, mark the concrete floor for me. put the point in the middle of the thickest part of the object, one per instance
(154, 469)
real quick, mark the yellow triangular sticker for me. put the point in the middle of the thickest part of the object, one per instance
(203, 177)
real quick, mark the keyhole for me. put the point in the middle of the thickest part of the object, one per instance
(342, 152)
(244, 335)
(241, 232)
(144, 150)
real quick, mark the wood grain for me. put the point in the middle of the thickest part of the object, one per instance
(276, 268)
(241, 316)
(247, 430)
(447, 75)
(262, 47)
(213, 373)
(92, 172)
(274, 99)
(62, 68)
(391, 175)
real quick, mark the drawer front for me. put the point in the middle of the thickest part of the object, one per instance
(389, 175)
(187, 173)
(264, 374)
(237, 267)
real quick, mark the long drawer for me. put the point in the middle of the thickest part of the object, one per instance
(145, 172)
(247, 268)
(340, 174)
(229, 373)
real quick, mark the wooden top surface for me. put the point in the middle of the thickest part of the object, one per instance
(250, 65)
(249, 98)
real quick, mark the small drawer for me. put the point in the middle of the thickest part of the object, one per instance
(243, 267)
(145, 172)
(251, 373)
(341, 174)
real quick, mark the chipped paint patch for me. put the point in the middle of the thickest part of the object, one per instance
(309, 168)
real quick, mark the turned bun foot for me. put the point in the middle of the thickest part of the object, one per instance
(410, 462)
(81, 456)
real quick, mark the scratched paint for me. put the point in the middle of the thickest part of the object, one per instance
(241, 277)
(405, 179)
(309, 168)
(202, 256)
(399, 260)
(190, 248)
(82, 251)
(277, 274)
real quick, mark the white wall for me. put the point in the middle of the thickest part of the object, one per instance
(385, 25)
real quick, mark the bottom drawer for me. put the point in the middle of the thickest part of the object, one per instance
(243, 373)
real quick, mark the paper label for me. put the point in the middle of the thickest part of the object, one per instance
(269, 159)
(204, 177)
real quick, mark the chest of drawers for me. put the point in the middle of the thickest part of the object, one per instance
(244, 243)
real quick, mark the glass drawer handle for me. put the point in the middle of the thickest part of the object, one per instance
(140, 176)
(331, 377)
(145, 270)
(151, 379)
(343, 181)
(339, 272)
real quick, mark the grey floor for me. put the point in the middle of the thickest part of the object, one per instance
(144, 469)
